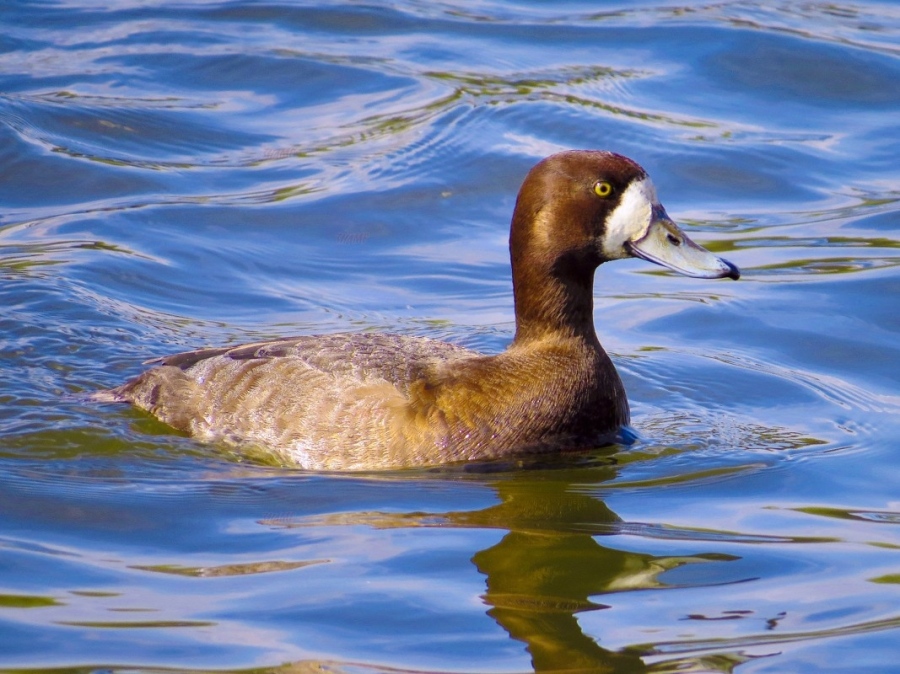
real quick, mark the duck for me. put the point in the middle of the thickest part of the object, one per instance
(378, 401)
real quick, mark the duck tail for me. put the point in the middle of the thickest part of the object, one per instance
(111, 395)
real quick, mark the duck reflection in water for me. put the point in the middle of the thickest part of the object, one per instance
(549, 567)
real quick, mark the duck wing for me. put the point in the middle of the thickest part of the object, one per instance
(398, 359)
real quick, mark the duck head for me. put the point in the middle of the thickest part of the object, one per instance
(602, 206)
(581, 208)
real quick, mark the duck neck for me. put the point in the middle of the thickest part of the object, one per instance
(554, 299)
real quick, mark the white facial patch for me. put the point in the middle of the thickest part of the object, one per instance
(630, 220)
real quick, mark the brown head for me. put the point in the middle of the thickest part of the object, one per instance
(576, 210)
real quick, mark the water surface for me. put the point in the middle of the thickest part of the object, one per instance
(184, 174)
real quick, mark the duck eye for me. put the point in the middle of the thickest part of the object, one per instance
(602, 189)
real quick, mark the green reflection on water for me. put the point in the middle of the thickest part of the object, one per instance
(891, 578)
(26, 601)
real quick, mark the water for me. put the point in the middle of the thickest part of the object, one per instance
(185, 174)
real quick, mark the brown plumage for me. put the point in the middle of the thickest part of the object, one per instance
(374, 401)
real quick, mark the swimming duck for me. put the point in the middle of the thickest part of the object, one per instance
(372, 401)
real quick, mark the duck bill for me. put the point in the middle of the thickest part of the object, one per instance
(666, 245)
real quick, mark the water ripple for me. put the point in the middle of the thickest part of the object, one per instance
(205, 172)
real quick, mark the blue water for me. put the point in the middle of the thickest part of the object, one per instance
(197, 173)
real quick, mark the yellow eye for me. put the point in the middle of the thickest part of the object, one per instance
(602, 189)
